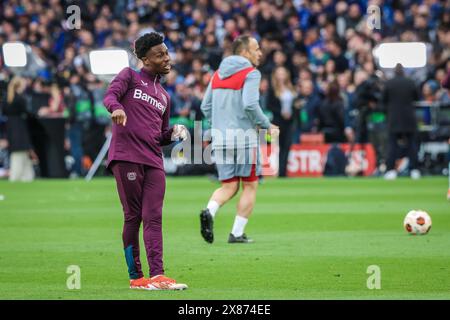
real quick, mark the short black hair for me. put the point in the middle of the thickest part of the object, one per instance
(146, 42)
(240, 44)
(399, 69)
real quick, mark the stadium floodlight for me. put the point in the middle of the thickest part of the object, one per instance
(14, 54)
(108, 61)
(21, 60)
(408, 54)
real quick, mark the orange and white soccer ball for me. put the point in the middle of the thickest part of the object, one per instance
(417, 222)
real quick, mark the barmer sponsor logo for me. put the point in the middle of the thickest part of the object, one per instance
(138, 94)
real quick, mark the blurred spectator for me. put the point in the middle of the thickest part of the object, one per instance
(55, 107)
(446, 82)
(280, 102)
(39, 94)
(442, 94)
(371, 119)
(266, 22)
(398, 96)
(330, 115)
(184, 105)
(353, 16)
(79, 103)
(263, 95)
(306, 107)
(429, 95)
(21, 166)
(337, 56)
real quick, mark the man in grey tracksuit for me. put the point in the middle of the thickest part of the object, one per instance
(231, 105)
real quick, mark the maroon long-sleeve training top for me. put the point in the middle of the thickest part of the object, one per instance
(147, 106)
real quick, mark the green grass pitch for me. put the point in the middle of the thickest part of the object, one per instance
(314, 239)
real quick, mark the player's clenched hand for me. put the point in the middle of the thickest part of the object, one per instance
(274, 130)
(119, 117)
(179, 132)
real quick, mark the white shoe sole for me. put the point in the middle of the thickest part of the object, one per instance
(178, 287)
(140, 288)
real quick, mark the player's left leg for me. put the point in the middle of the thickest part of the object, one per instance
(412, 153)
(226, 169)
(223, 194)
(225, 164)
(244, 211)
(246, 203)
(129, 178)
(154, 187)
(391, 173)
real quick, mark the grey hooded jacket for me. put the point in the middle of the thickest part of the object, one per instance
(234, 114)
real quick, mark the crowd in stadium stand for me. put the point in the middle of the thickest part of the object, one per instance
(319, 74)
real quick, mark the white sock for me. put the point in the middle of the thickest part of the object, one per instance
(239, 225)
(213, 206)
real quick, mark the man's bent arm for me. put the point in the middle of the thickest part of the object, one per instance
(116, 90)
(206, 105)
(250, 98)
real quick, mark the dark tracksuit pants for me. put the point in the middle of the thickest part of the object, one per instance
(285, 141)
(406, 142)
(141, 190)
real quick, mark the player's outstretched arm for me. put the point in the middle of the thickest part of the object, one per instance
(114, 93)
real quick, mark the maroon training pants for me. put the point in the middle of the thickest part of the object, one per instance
(141, 190)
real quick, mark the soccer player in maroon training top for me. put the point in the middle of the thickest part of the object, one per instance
(140, 108)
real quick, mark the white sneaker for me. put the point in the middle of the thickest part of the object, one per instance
(161, 282)
(415, 174)
(390, 175)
